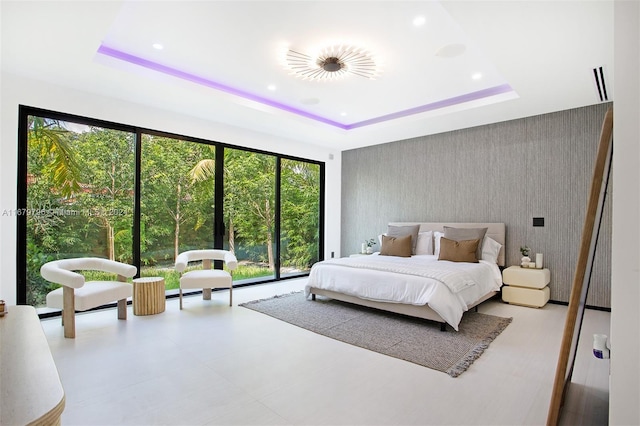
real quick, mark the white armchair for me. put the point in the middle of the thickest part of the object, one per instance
(78, 295)
(206, 278)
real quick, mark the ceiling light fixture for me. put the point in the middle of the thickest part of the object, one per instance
(271, 87)
(158, 46)
(419, 21)
(476, 76)
(332, 63)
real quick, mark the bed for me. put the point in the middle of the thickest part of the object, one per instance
(421, 285)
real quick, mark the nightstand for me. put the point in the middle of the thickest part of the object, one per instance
(526, 286)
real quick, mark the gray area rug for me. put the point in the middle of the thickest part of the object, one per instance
(411, 339)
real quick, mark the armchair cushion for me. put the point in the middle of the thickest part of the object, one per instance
(92, 294)
(206, 278)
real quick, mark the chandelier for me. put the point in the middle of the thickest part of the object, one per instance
(332, 63)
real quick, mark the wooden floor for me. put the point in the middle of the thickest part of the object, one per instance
(210, 364)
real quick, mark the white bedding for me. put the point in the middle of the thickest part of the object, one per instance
(447, 287)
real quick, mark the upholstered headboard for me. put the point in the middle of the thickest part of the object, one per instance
(497, 231)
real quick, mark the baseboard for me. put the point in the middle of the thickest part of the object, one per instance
(595, 308)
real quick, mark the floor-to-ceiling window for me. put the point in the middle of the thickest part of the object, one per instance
(79, 197)
(299, 216)
(176, 203)
(249, 211)
(94, 188)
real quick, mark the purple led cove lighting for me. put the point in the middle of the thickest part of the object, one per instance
(456, 100)
(107, 51)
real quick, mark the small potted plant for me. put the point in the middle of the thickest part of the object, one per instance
(524, 250)
(369, 245)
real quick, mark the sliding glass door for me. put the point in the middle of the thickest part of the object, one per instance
(92, 188)
(249, 212)
(176, 203)
(79, 197)
(299, 216)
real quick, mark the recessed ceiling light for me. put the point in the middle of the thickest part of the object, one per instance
(158, 46)
(344, 114)
(419, 21)
(476, 76)
(271, 87)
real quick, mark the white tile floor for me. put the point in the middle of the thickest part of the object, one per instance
(215, 365)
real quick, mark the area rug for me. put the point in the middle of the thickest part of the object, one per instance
(411, 339)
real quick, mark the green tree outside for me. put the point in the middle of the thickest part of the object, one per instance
(80, 199)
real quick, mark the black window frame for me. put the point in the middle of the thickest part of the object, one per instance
(21, 244)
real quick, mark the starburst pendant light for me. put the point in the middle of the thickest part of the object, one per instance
(332, 63)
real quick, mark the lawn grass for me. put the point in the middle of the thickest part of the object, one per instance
(172, 278)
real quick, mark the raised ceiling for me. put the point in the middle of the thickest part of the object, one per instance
(466, 63)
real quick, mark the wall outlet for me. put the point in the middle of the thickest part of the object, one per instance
(538, 221)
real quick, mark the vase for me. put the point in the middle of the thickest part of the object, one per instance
(369, 250)
(539, 260)
(524, 262)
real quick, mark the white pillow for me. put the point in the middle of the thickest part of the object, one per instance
(490, 250)
(425, 243)
(436, 242)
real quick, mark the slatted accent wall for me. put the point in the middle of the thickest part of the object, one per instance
(507, 172)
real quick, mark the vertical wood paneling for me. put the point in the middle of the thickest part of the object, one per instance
(507, 172)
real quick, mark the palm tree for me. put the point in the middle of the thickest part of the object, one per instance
(248, 197)
(49, 138)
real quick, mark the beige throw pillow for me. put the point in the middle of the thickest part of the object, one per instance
(401, 231)
(464, 234)
(396, 246)
(458, 251)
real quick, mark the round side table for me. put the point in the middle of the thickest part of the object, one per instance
(148, 295)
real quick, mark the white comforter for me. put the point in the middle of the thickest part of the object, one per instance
(447, 287)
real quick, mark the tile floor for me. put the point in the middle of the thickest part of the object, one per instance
(215, 365)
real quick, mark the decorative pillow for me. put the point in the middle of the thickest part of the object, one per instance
(396, 246)
(425, 243)
(464, 234)
(401, 231)
(458, 251)
(436, 242)
(490, 249)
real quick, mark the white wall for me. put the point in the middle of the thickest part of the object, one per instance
(18, 90)
(624, 396)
